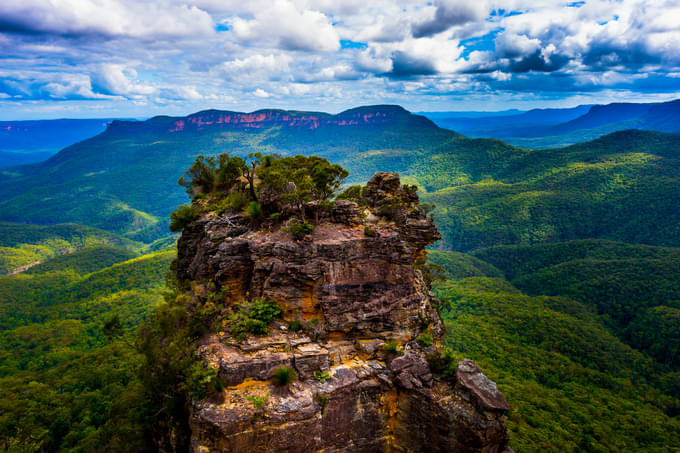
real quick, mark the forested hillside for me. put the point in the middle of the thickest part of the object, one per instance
(558, 270)
(69, 383)
(554, 128)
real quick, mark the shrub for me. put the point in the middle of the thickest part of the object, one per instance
(299, 229)
(200, 380)
(444, 364)
(283, 376)
(258, 401)
(237, 201)
(181, 217)
(295, 326)
(425, 338)
(352, 193)
(431, 272)
(254, 317)
(370, 231)
(265, 310)
(254, 210)
(390, 347)
(321, 376)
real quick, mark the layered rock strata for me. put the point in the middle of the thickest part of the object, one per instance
(364, 383)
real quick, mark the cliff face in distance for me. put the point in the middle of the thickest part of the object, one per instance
(358, 323)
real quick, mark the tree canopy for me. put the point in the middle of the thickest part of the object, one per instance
(290, 181)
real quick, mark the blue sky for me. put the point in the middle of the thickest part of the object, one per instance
(132, 58)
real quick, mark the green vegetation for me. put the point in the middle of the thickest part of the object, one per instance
(570, 367)
(572, 386)
(425, 338)
(616, 187)
(657, 332)
(258, 401)
(283, 376)
(458, 265)
(295, 325)
(23, 246)
(181, 217)
(617, 288)
(370, 231)
(555, 298)
(390, 347)
(68, 383)
(268, 186)
(518, 260)
(84, 261)
(352, 193)
(321, 376)
(254, 210)
(633, 287)
(253, 317)
(299, 229)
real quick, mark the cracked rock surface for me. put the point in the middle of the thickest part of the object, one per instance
(364, 303)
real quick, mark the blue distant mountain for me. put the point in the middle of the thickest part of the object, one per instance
(549, 128)
(24, 142)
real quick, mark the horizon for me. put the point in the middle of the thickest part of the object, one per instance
(510, 112)
(79, 59)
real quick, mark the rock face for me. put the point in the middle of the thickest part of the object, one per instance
(371, 116)
(364, 303)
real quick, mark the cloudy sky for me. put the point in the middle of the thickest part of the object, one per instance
(137, 58)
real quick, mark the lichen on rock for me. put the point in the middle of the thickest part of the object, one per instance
(352, 304)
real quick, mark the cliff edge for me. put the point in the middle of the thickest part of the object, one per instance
(353, 327)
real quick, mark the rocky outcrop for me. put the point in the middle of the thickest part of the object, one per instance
(370, 116)
(364, 383)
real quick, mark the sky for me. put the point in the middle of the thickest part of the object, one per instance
(139, 58)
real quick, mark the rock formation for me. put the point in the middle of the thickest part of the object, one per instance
(362, 316)
(373, 116)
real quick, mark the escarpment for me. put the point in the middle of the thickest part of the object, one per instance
(357, 332)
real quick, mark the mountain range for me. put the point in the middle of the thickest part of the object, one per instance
(558, 266)
(24, 142)
(619, 187)
(550, 128)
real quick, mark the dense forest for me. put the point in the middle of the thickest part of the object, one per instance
(558, 276)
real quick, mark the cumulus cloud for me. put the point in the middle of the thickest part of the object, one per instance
(255, 67)
(411, 57)
(510, 45)
(105, 17)
(78, 87)
(173, 52)
(119, 79)
(384, 30)
(56, 86)
(293, 29)
(342, 71)
(449, 13)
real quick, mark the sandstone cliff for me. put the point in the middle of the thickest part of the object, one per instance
(356, 319)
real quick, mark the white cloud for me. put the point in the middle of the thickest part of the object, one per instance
(167, 52)
(342, 71)
(384, 30)
(293, 29)
(512, 45)
(260, 67)
(139, 19)
(119, 79)
(450, 13)
(412, 57)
